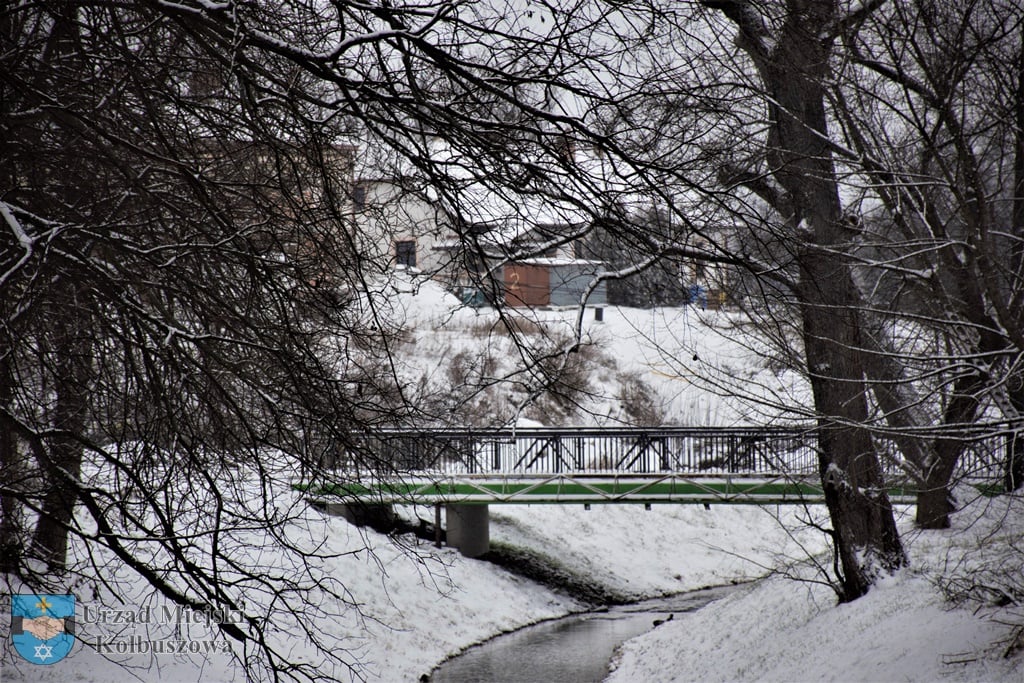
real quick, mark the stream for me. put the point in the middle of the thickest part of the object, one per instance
(573, 649)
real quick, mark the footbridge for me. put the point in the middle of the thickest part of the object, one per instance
(466, 470)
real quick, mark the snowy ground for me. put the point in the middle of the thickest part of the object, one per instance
(903, 630)
(698, 368)
(418, 605)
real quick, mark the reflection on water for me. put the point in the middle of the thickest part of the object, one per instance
(574, 649)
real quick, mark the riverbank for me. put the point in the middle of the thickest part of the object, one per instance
(618, 554)
(411, 605)
(950, 616)
(953, 615)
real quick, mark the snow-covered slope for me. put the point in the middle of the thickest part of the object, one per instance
(904, 629)
(675, 366)
(417, 605)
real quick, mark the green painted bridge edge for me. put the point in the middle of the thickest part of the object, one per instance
(500, 491)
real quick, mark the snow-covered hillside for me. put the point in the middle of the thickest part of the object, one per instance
(417, 605)
(675, 366)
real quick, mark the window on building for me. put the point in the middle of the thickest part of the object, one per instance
(359, 196)
(405, 253)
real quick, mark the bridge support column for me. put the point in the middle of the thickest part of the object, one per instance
(469, 529)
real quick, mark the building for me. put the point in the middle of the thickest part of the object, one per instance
(483, 245)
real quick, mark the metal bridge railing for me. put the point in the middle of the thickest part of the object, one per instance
(596, 451)
(579, 450)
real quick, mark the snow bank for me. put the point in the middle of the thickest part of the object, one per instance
(904, 629)
(667, 549)
(418, 605)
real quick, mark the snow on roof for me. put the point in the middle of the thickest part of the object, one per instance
(556, 261)
(510, 215)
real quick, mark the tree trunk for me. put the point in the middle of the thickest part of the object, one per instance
(794, 65)
(935, 500)
(897, 400)
(64, 321)
(61, 461)
(865, 530)
(1014, 470)
(11, 473)
(866, 537)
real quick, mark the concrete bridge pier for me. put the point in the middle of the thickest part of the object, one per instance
(469, 528)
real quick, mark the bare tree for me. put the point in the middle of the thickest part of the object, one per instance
(942, 166)
(790, 45)
(189, 305)
(187, 318)
(190, 309)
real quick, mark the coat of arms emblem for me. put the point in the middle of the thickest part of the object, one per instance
(43, 626)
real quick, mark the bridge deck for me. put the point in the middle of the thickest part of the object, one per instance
(579, 465)
(562, 488)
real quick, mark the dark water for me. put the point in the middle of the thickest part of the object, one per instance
(574, 649)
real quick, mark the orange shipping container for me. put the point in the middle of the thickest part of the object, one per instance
(527, 285)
